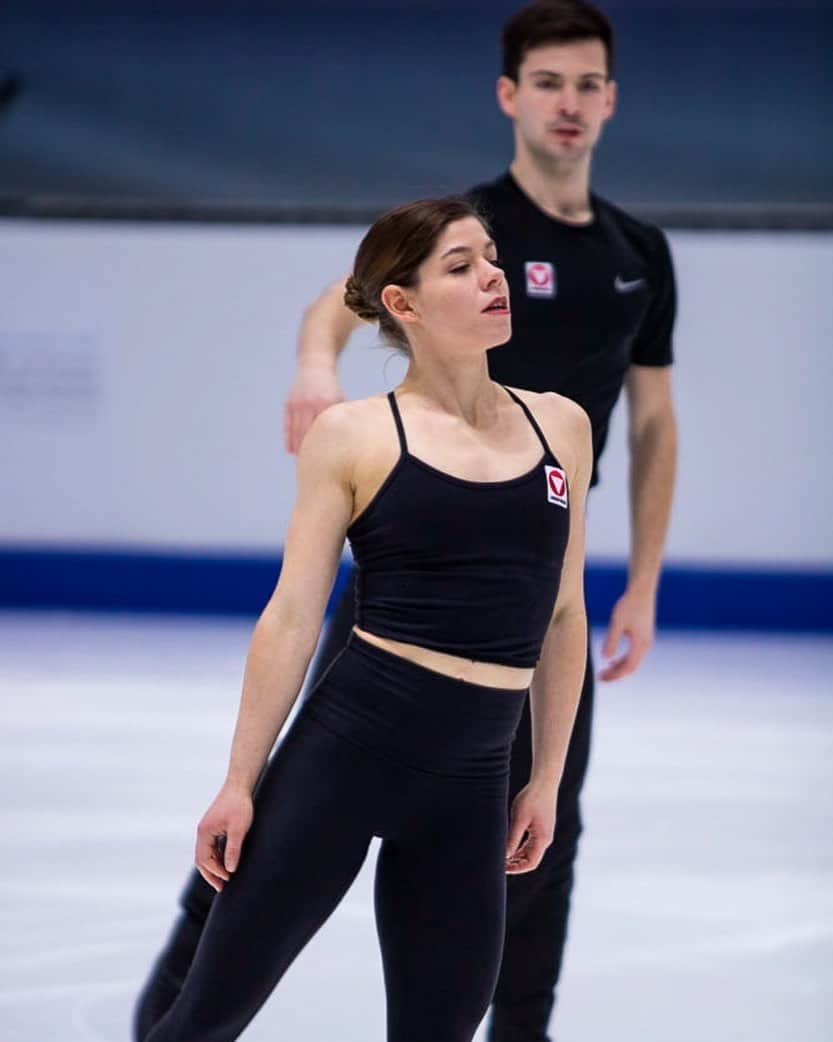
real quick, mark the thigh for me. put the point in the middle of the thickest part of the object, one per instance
(440, 912)
(308, 840)
(197, 896)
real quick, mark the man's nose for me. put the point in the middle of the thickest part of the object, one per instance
(568, 102)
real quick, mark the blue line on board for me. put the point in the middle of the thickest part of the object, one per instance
(141, 580)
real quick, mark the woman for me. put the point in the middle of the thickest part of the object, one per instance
(467, 531)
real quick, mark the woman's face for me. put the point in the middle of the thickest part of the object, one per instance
(461, 299)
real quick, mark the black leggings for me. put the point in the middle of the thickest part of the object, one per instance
(381, 747)
(538, 903)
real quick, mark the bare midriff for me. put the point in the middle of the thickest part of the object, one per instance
(488, 674)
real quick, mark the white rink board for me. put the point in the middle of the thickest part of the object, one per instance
(143, 370)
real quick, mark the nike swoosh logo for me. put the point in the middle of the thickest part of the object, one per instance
(621, 286)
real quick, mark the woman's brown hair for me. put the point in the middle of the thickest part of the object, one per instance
(392, 252)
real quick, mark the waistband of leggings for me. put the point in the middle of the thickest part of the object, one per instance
(414, 716)
(405, 667)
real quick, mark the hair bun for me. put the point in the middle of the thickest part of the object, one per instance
(358, 303)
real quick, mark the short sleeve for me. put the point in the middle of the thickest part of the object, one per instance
(653, 342)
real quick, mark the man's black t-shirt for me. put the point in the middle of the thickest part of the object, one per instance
(587, 300)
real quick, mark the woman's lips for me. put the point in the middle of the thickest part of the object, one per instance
(499, 306)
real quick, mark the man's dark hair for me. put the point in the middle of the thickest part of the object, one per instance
(553, 21)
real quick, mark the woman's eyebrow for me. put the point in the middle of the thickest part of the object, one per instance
(464, 249)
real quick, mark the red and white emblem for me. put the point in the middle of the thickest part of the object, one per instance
(556, 485)
(540, 279)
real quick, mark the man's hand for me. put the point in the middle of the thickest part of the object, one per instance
(316, 387)
(633, 619)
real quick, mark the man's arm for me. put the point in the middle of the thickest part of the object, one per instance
(325, 329)
(652, 441)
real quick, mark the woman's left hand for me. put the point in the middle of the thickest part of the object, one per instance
(533, 812)
(221, 832)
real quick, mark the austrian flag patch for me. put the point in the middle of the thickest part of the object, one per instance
(540, 279)
(556, 485)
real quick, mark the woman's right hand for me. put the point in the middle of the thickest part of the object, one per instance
(316, 387)
(220, 835)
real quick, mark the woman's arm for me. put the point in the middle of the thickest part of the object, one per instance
(557, 681)
(285, 635)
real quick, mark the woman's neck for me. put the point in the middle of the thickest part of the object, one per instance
(460, 388)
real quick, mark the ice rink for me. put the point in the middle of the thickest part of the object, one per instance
(704, 904)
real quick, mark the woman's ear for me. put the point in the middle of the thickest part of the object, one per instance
(398, 303)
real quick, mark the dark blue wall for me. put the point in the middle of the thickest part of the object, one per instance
(206, 584)
(373, 103)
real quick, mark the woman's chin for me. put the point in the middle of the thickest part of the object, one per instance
(502, 336)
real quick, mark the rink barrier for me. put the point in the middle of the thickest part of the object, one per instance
(734, 216)
(133, 580)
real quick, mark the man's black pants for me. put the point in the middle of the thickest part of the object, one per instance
(538, 903)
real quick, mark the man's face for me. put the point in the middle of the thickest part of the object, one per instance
(562, 99)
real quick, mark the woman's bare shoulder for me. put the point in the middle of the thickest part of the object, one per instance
(344, 423)
(566, 427)
(346, 435)
(356, 443)
(552, 408)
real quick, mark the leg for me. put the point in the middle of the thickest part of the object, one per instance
(309, 838)
(538, 903)
(168, 973)
(171, 966)
(440, 901)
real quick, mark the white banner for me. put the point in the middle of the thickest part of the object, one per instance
(143, 370)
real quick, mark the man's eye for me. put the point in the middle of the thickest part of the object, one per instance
(546, 84)
(590, 87)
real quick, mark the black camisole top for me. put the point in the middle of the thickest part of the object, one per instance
(471, 568)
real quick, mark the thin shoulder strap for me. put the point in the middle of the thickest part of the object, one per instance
(531, 419)
(403, 443)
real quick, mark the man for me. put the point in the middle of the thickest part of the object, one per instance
(593, 304)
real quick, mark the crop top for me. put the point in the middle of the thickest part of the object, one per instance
(471, 568)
